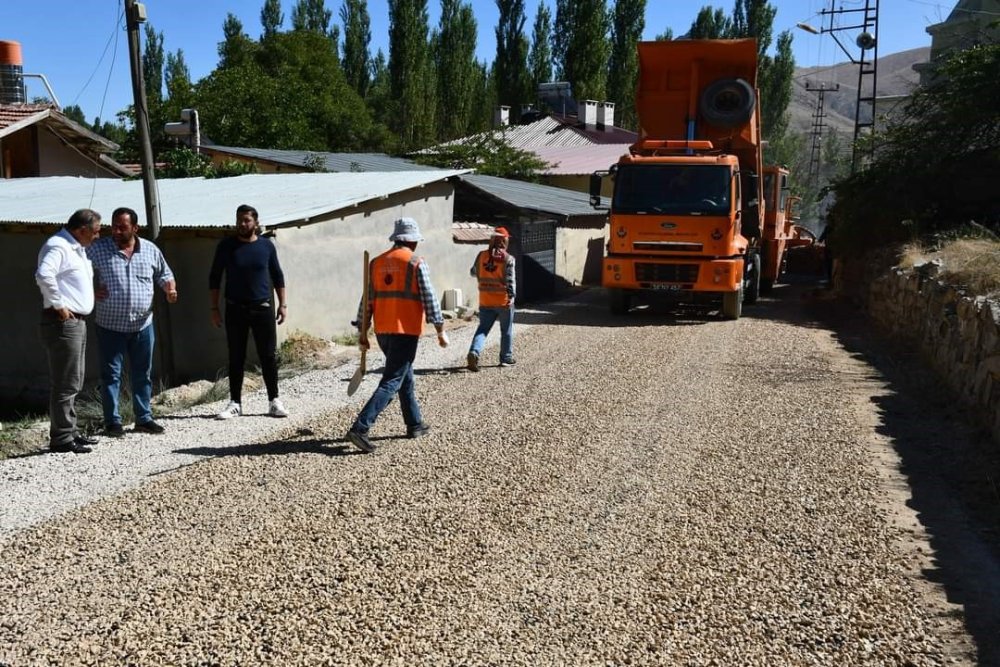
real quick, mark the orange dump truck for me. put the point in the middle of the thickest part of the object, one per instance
(687, 217)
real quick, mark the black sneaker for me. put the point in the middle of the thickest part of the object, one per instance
(472, 361)
(418, 431)
(85, 440)
(71, 446)
(114, 431)
(361, 441)
(507, 362)
(149, 427)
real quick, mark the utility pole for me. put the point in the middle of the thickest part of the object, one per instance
(135, 14)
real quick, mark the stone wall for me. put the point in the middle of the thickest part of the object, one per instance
(958, 335)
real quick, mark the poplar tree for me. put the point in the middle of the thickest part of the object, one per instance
(711, 23)
(411, 77)
(586, 60)
(510, 64)
(455, 59)
(236, 48)
(313, 15)
(271, 18)
(665, 36)
(357, 62)
(540, 58)
(178, 80)
(562, 33)
(623, 68)
(152, 66)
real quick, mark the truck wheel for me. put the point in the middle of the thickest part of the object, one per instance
(753, 284)
(618, 299)
(728, 102)
(732, 304)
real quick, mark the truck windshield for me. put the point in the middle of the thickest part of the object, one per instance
(677, 189)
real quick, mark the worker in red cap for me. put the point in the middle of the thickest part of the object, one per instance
(494, 269)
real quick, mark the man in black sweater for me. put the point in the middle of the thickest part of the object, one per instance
(253, 278)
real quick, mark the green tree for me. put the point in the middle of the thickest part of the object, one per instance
(754, 18)
(380, 90)
(291, 95)
(711, 24)
(586, 60)
(455, 59)
(180, 91)
(562, 35)
(313, 15)
(665, 36)
(912, 187)
(411, 76)
(75, 113)
(236, 48)
(152, 65)
(511, 62)
(357, 36)
(488, 153)
(540, 57)
(271, 18)
(776, 88)
(623, 67)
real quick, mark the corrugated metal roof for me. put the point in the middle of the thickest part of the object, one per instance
(334, 162)
(534, 197)
(207, 203)
(559, 131)
(576, 160)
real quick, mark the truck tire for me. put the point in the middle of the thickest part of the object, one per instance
(728, 102)
(732, 304)
(753, 282)
(618, 300)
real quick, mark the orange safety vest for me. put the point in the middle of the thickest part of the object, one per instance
(492, 283)
(396, 300)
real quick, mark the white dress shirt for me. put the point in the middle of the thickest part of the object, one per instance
(65, 275)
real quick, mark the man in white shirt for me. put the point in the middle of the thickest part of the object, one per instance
(66, 279)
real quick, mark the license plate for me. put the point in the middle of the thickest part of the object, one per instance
(661, 286)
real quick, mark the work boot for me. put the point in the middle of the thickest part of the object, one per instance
(472, 362)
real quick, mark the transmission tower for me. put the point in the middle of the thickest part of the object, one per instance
(867, 41)
(818, 125)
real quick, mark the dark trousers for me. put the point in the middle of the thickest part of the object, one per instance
(240, 321)
(66, 346)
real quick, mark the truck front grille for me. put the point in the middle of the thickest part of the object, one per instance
(666, 273)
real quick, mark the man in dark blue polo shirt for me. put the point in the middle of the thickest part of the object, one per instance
(253, 278)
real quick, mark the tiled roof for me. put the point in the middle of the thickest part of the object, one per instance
(15, 113)
(471, 232)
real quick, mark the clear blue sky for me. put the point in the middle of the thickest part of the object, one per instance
(80, 46)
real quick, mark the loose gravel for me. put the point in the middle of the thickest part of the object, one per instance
(653, 490)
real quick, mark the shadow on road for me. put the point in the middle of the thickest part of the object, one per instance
(951, 465)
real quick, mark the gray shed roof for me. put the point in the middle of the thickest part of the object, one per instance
(281, 199)
(335, 162)
(534, 197)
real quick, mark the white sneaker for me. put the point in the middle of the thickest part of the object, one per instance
(277, 409)
(232, 410)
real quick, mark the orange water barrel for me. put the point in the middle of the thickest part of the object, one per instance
(11, 73)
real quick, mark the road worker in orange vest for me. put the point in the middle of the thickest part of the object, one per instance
(494, 269)
(400, 298)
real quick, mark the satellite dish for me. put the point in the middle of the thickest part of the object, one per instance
(865, 40)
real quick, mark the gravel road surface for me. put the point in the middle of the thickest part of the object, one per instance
(660, 489)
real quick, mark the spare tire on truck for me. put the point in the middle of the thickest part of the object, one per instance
(727, 102)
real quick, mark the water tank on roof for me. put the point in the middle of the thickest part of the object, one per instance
(558, 96)
(11, 73)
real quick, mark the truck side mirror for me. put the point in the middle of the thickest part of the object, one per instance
(596, 183)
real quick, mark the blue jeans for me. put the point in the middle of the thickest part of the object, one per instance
(114, 346)
(397, 377)
(487, 316)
